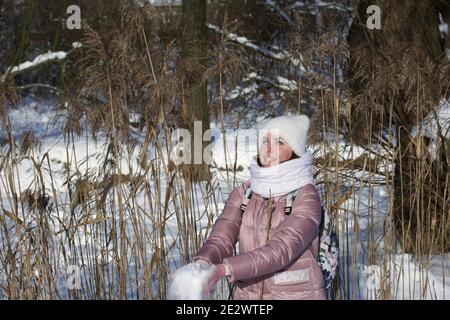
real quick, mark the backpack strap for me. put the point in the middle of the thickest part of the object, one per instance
(246, 198)
(289, 201)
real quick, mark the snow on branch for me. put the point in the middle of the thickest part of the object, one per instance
(280, 11)
(38, 61)
(281, 55)
(279, 82)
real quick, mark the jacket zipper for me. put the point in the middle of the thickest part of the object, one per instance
(269, 223)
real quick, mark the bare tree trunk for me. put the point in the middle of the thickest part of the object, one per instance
(398, 68)
(194, 52)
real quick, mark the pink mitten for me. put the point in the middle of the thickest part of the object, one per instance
(218, 273)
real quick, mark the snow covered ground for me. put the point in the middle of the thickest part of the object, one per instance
(362, 218)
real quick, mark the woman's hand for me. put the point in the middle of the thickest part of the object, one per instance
(218, 273)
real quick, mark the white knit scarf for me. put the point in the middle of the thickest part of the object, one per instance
(282, 178)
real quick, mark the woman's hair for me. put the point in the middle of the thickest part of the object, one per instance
(293, 156)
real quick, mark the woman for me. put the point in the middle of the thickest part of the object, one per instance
(277, 251)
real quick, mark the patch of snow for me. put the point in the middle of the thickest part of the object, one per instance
(443, 26)
(277, 8)
(282, 55)
(405, 278)
(289, 85)
(158, 3)
(429, 127)
(314, 7)
(76, 45)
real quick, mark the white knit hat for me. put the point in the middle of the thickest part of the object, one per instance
(292, 129)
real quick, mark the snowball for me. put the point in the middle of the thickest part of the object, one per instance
(188, 282)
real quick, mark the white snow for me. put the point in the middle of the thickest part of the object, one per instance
(164, 2)
(188, 282)
(240, 92)
(314, 7)
(280, 11)
(279, 81)
(363, 218)
(406, 279)
(42, 58)
(76, 45)
(443, 26)
(437, 122)
(282, 55)
(288, 85)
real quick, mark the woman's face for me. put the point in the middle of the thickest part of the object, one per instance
(274, 150)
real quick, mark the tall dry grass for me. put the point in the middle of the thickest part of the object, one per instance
(124, 216)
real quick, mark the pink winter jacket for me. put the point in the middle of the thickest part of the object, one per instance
(285, 266)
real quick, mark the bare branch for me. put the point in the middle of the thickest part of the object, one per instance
(281, 55)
